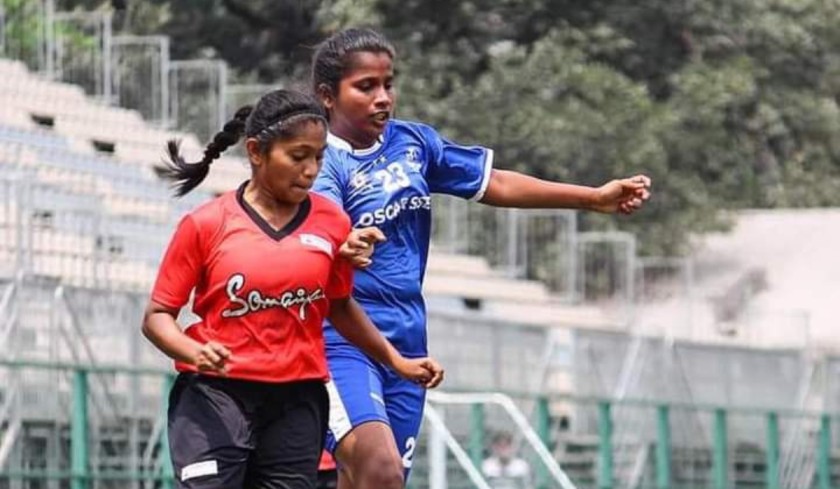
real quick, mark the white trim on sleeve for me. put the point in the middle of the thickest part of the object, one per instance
(485, 180)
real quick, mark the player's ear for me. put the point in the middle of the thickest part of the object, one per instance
(254, 150)
(326, 96)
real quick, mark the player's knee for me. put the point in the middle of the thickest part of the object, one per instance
(388, 479)
(385, 472)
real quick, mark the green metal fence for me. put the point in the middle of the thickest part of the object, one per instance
(735, 447)
(44, 388)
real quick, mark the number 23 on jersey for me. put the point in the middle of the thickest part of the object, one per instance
(393, 177)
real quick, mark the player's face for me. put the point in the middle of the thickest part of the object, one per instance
(365, 99)
(289, 168)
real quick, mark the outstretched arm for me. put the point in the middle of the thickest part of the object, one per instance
(512, 189)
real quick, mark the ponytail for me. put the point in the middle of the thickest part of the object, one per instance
(277, 114)
(186, 176)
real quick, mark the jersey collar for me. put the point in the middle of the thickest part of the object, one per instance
(275, 234)
(339, 143)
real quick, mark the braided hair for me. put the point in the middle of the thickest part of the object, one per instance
(275, 117)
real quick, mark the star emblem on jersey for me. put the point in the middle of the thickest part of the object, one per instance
(413, 166)
(411, 154)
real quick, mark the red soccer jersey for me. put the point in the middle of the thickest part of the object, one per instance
(260, 292)
(327, 462)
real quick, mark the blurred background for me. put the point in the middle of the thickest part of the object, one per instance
(693, 345)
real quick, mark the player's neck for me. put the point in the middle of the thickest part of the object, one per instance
(274, 212)
(354, 143)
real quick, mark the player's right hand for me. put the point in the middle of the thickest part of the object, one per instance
(624, 196)
(425, 371)
(212, 357)
(360, 245)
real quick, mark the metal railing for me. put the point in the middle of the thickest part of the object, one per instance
(438, 435)
(744, 447)
(519, 243)
(141, 76)
(519, 420)
(81, 468)
(725, 458)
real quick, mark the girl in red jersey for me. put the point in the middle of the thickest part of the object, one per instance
(249, 407)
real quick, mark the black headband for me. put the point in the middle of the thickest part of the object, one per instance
(285, 117)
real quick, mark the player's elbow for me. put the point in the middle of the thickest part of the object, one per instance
(339, 310)
(147, 327)
(152, 317)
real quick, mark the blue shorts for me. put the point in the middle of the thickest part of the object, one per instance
(363, 390)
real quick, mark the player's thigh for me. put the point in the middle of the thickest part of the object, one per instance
(356, 395)
(289, 442)
(369, 452)
(404, 401)
(209, 436)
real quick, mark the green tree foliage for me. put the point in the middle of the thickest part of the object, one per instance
(725, 103)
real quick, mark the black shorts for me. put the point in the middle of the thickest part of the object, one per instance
(230, 433)
(327, 479)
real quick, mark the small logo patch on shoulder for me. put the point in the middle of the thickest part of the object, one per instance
(317, 242)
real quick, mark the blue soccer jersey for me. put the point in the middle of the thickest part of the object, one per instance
(389, 185)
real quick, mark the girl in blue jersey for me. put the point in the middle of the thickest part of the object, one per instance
(383, 172)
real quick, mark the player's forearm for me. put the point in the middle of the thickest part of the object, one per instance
(512, 189)
(353, 324)
(162, 330)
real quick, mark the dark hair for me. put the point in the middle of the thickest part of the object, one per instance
(331, 59)
(275, 116)
(502, 437)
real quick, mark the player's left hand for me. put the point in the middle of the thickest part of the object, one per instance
(624, 196)
(425, 371)
(360, 245)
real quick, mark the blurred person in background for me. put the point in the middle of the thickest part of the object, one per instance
(383, 172)
(503, 468)
(249, 406)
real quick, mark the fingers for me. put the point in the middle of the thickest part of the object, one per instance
(370, 235)
(353, 246)
(643, 180)
(437, 375)
(359, 246)
(629, 206)
(637, 191)
(636, 184)
(360, 261)
(424, 371)
(213, 357)
(434, 373)
(359, 258)
(364, 238)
